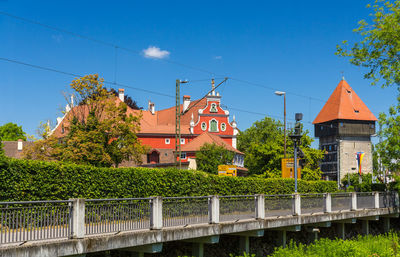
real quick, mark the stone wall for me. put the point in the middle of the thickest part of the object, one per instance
(348, 148)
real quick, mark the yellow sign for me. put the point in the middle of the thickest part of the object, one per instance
(227, 170)
(288, 168)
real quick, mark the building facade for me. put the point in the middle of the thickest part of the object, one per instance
(158, 128)
(344, 127)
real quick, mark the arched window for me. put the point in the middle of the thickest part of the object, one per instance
(213, 126)
(203, 126)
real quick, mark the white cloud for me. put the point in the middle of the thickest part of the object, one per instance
(58, 38)
(218, 57)
(155, 52)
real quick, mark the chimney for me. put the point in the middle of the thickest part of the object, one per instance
(20, 145)
(152, 107)
(186, 102)
(121, 94)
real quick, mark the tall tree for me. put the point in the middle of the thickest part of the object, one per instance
(11, 132)
(212, 155)
(263, 145)
(100, 131)
(379, 48)
(389, 148)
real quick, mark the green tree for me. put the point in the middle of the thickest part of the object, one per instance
(100, 132)
(212, 155)
(11, 132)
(379, 49)
(389, 148)
(263, 145)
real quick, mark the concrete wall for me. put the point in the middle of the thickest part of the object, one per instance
(348, 148)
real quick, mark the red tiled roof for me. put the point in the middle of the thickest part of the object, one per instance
(205, 137)
(344, 104)
(161, 122)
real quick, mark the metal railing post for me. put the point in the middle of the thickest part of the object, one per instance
(213, 209)
(376, 200)
(328, 203)
(156, 220)
(296, 204)
(260, 206)
(78, 218)
(354, 201)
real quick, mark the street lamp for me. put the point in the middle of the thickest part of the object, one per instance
(280, 93)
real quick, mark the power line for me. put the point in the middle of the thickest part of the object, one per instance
(138, 53)
(78, 75)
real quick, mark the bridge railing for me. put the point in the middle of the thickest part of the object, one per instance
(76, 218)
(115, 215)
(36, 220)
(183, 211)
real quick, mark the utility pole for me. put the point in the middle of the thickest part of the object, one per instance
(179, 113)
(178, 124)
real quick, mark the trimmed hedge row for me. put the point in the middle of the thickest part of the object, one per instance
(22, 180)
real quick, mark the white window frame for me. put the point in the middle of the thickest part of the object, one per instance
(209, 126)
(216, 107)
(205, 124)
(182, 141)
(167, 141)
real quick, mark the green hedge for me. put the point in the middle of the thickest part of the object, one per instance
(36, 180)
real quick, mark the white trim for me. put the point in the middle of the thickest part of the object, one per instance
(182, 141)
(201, 126)
(167, 141)
(209, 125)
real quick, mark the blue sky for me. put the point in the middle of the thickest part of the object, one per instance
(283, 45)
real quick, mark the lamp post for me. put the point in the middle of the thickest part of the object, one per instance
(280, 93)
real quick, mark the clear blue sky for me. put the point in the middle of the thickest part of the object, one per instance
(286, 45)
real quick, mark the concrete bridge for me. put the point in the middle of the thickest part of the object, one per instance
(76, 227)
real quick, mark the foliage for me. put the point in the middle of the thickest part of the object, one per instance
(381, 245)
(128, 100)
(100, 131)
(39, 180)
(389, 148)
(263, 145)
(365, 185)
(379, 48)
(212, 155)
(11, 132)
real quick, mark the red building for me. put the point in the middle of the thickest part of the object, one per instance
(158, 129)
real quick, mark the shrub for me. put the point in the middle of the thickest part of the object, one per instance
(39, 180)
(382, 245)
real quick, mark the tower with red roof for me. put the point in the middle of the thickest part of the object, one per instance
(344, 127)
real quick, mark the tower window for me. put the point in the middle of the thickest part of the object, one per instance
(203, 126)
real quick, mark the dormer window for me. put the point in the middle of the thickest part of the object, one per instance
(213, 107)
